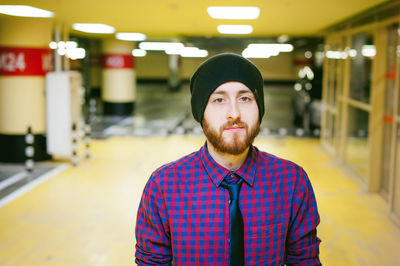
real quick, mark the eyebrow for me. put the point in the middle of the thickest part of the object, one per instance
(222, 92)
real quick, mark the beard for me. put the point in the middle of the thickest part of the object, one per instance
(238, 143)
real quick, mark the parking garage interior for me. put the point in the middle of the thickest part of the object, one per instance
(73, 166)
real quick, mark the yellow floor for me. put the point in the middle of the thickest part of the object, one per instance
(86, 215)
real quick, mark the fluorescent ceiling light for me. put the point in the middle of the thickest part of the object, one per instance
(187, 52)
(368, 50)
(235, 29)
(139, 52)
(93, 28)
(280, 47)
(193, 52)
(160, 46)
(130, 36)
(352, 52)
(233, 12)
(265, 50)
(252, 53)
(71, 45)
(25, 11)
(336, 54)
(283, 38)
(174, 50)
(53, 45)
(76, 53)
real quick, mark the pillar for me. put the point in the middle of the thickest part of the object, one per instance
(173, 79)
(119, 80)
(25, 57)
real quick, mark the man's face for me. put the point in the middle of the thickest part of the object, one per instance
(230, 120)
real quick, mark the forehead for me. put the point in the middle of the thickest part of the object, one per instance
(233, 87)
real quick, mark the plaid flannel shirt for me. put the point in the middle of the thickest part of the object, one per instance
(184, 213)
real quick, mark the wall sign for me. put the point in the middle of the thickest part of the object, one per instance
(116, 61)
(25, 61)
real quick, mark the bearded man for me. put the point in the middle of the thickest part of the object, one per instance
(228, 203)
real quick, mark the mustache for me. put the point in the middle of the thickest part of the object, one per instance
(230, 124)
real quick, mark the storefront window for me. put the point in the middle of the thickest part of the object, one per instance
(396, 196)
(362, 52)
(357, 150)
(388, 119)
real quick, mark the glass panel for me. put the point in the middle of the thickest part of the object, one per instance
(362, 53)
(396, 194)
(335, 54)
(357, 150)
(332, 134)
(328, 127)
(388, 108)
(332, 90)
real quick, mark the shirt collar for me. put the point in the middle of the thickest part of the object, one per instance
(217, 173)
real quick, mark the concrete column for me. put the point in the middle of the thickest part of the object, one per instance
(173, 79)
(119, 79)
(25, 58)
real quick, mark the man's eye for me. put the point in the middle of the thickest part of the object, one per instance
(218, 100)
(245, 99)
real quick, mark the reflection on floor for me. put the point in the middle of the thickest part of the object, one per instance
(86, 214)
(15, 180)
(357, 155)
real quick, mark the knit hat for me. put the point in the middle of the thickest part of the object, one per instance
(218, 70)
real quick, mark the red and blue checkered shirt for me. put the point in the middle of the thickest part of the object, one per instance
(184, 213)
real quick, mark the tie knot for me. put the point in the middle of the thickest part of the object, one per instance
(232, 178)
(233, 188)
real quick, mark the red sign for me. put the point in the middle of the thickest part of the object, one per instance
(25, 61)
(117, 61)
(388, 119)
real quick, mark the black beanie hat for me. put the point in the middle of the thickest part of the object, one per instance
(218, 70)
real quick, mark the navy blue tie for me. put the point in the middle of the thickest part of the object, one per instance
(236, 244)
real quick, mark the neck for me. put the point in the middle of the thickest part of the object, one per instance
(229, 161)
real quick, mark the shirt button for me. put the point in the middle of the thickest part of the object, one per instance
(229, 201)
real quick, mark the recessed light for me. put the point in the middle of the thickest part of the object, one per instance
(160, 46)
(233, 12)
(93, 28)
(139, 52)
(130, 36)
(280, 47)
(193, 52)
(235, 29)
(25, 11)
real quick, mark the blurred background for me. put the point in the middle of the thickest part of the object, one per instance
(94, 96)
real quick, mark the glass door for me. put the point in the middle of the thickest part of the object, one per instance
(389, 110)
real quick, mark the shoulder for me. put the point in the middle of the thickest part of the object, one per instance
(282, 170)
(270, 160)
(175, 167)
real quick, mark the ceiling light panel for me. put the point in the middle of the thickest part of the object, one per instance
(235, 29)
(139, 52)
(130, 36)
(280, 47)
(160, 46)
(233, 12)
(25, 11)
(93, 28)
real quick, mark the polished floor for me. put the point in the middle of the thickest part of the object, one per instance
(85, 215)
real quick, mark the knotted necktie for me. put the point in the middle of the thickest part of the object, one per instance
(236, 244)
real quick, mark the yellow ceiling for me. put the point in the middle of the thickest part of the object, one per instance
(174, 18)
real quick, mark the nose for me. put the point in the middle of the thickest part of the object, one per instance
(233, 112)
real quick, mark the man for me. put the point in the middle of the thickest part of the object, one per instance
(228, 203)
